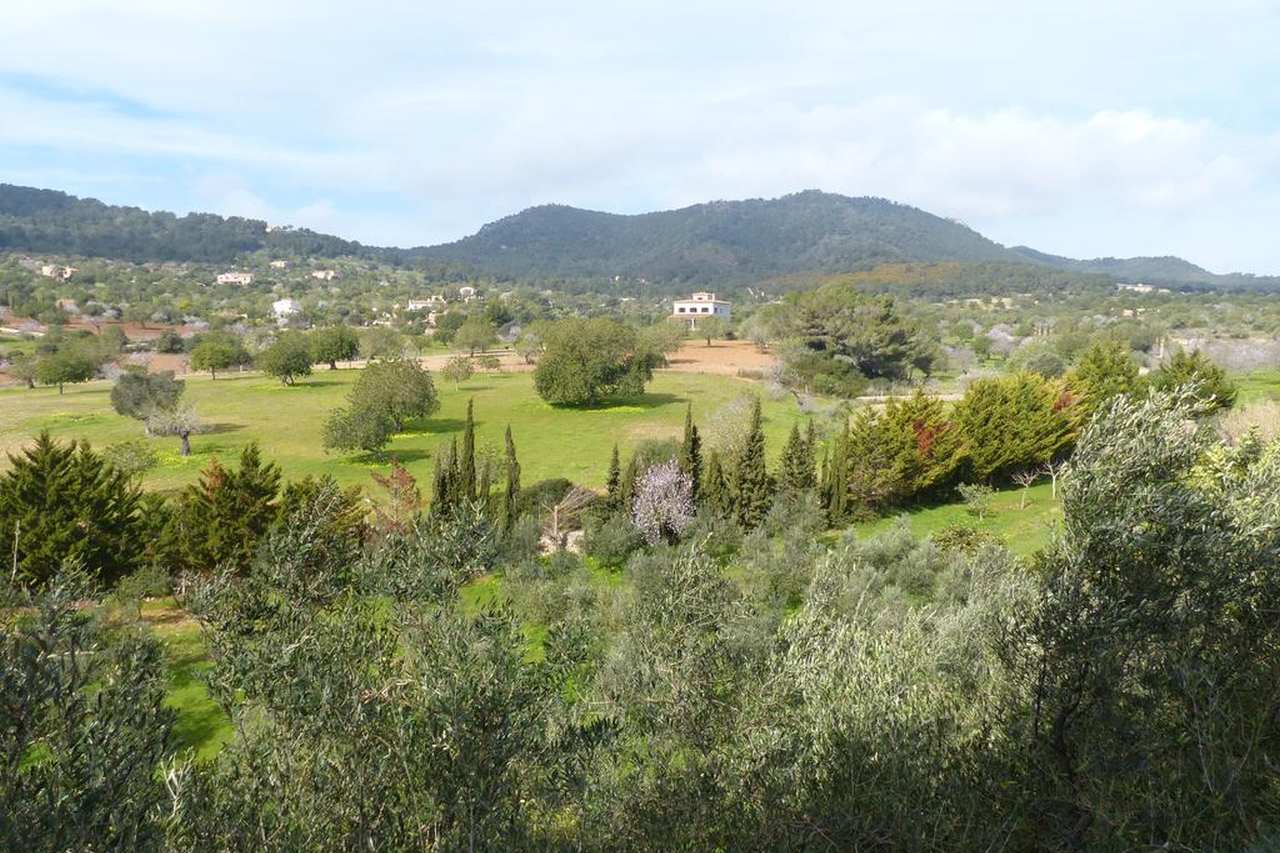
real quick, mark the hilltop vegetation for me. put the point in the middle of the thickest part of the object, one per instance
(726, 244)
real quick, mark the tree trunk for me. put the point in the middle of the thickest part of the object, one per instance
(31, 384)
(213, 375)
(186, 443)
(333, 365)
(59, 388)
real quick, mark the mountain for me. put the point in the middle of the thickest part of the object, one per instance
(717, 244)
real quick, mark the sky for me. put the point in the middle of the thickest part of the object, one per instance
(1087, 129)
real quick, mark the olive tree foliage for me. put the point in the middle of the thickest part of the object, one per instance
(1147, 675)
(376, 714)
(585, 361)
(180, 421)
(139, 394)
(83, 728)
(287, 359)
(333, 344)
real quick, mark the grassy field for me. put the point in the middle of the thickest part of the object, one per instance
(1257, 386)
(286, 422)
(1023, 529)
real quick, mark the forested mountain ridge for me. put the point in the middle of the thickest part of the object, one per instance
(720, 243)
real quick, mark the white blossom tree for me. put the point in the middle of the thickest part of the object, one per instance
(663, 507)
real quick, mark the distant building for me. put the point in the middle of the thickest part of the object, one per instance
(55, 271)
(431, 303)
(283, 309)
(467, 292)
(279, 265)
(324, 275)
(235, 278)
(700, 305)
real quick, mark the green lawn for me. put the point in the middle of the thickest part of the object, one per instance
(1024, 530)
(201, 724)
(1257, 386)
(286, 422)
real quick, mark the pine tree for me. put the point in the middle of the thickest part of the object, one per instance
(691, 453)
(613, 483)
(797, 472)
(627, 487)
(752, 491)
(467, 461)
(221, 519)
(511, 496)
(486, 485)
(63, 502)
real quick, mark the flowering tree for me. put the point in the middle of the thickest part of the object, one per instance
(663, 507)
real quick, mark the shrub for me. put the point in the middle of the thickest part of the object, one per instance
(978, 498)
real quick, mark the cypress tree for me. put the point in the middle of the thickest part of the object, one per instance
(834, 488)
(691, 454)
(467, 461)
(613, 483)
(440, 483)
(627, 487)
(715, 490)
(511, 496)
(482, 492)
(797, 463)
(751, 488)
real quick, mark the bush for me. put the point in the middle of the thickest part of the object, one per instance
(978, 498)
(612, 540)
(962, 539)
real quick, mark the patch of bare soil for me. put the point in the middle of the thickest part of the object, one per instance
(724, 358)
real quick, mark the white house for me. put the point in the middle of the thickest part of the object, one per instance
(235, 278)
(467, 292)
(279, 265)
(55, 271)
(431, 303)
(700, 305)
(324, 275)
(283, 309)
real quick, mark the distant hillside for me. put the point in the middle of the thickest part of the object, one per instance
(717, 244)
(52, 222)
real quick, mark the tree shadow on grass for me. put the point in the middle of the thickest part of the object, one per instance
(314, 383)
(404, 456)
(433, 426)
(644, 401)
(216, 429)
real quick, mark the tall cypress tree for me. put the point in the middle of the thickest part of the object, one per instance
(797, 463)
(614, 482)
(834, 487)
(715, 489)
(691, 454)
(627, 487)
(467, 461)
(442, 481)
(511, 496)
(752, 491)
(486, 486)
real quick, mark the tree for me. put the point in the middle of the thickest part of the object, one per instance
(401, 389)
(1209, 380)
(750, 486)
(181, 421)
(838, 323)
(65, 366)
(382, 342)
(219, 351)
(511, 495)
(715, 494)
(220, 520)
(691, 454)
(138, 394)
(613, 483)
(711, 328)
(476, 333)
(663, 507)
(358, 427)
(287, 359)
(467, 459)
(529, 345)
(798, 472)
(23, 368)
(1011, 423)
(587, 360)
(1103, 372)
(665, 337)
(333, 344)
(63, 504)
(457, 370)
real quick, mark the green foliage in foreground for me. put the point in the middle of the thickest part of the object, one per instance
(750, 691)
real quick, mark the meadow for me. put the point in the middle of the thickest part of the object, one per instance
(287, 423)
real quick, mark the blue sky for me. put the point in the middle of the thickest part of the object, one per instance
(1086, 129)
